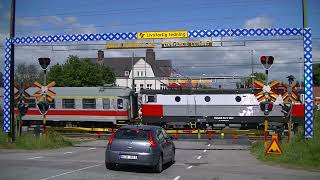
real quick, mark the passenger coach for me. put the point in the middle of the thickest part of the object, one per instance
(85, 106)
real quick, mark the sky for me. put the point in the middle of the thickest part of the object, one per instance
(39, 17)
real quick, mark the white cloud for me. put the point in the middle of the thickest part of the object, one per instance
(71, 20)
(259, 22)
(55, 20)
(27, 22)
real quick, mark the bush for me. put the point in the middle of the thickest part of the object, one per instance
(300, 152)
(30, 141)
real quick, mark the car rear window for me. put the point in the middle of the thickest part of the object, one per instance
(138, 134)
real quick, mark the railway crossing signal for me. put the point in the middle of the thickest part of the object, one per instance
(43, 107)
(44, 92)
(21, 93)
(23, 108)
(285, 109)
(44, 63)
(290, 92)
(267, 61)
(266, 92)
(266, 107)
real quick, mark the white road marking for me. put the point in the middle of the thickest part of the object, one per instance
(209, 144)
(199, 157)
(37, 157)
(189, 167)
(205, 150)
(50, 177)
(176, 178)
(67, 153)
(92, 148)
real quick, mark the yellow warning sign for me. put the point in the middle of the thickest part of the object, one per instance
(162, 34)
(274, 148)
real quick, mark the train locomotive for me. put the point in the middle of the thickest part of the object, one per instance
(213, 109)
(116, 106)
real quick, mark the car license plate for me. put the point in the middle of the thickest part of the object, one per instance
(128, 157)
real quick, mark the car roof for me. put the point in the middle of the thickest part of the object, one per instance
(144, 127)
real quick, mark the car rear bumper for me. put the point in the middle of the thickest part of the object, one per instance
(144, 159)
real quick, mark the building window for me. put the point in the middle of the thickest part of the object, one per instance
(106, 103)
(52, 104)
(126, 73)
(32, 103)
(141, 86)
(120, 103)
(149, 86)
(151, 99)
(177, 98)
(89, 103)
(138, 73)
(68, 104)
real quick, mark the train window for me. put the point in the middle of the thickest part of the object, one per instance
(89, 103)
(120, 103)
(106, 103)
(151, 99)
(177, 98)
(68, 104)
(32, 103)
(207, 98)
(52, 104)
(238, 98)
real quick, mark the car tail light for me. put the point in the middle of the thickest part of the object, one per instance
(151, 140)
(111, 139)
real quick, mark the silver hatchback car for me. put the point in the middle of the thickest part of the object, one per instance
(140, 145)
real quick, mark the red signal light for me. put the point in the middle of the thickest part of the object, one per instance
(263, 59)
(270, 107)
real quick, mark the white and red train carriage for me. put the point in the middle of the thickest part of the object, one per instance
(208, 108)
(85, 106)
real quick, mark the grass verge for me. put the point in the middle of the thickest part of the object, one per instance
(300, 153)
(29, 141)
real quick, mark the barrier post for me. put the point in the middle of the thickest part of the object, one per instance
(209, 135)
(99, 134)
(199, 134)
(222, 135)
(235, 135)
(176, 135)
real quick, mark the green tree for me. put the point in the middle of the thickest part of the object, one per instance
(247, 82)
(26, 74)
(316, 74)
(78, 73)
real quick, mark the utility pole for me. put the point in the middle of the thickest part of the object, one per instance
(252, 78)
(132, 72)
(304, 14)
(12, 35)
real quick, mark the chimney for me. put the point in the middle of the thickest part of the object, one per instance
(150, 55)
(100, 58)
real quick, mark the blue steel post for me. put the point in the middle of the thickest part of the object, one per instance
(308, 80)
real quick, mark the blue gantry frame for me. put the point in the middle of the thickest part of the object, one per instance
(306, 33)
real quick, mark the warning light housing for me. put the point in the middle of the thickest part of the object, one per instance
(266, 107)
(267, 61)
(44, 63)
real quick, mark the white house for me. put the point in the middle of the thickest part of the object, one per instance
(146, 72)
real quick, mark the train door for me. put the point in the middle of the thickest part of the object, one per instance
(191, 105)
